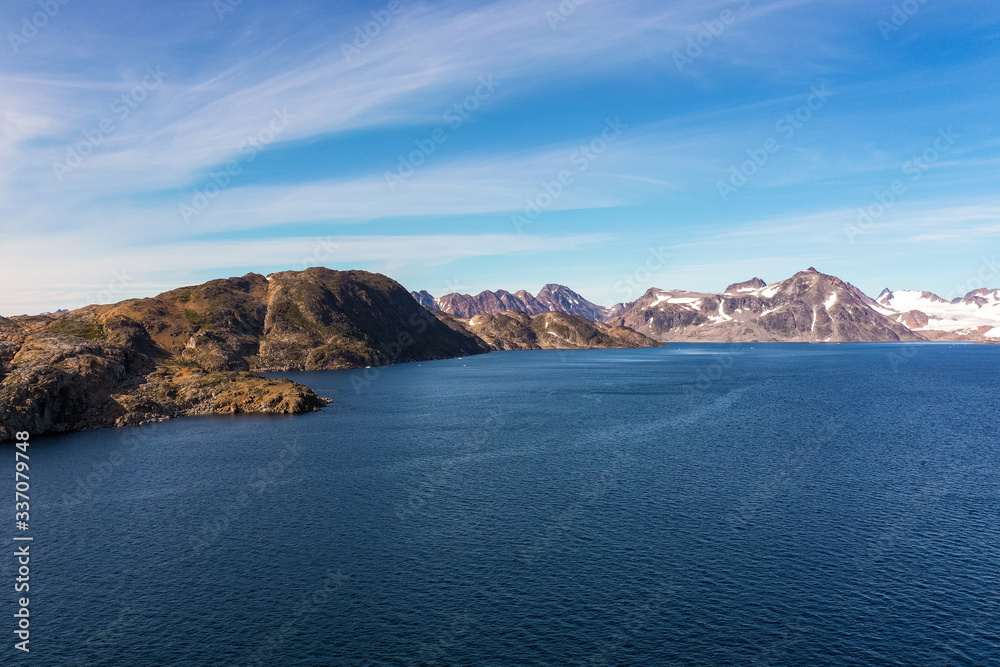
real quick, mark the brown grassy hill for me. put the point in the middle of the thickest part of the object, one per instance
(193, 350)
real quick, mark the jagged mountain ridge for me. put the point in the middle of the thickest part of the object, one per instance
(551, 298)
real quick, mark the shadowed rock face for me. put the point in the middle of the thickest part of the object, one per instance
(546, 331)
(808, 307)
(190, 351)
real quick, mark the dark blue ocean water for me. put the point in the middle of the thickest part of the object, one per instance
(692, 505)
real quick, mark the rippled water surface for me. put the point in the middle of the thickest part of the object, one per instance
(692, 505)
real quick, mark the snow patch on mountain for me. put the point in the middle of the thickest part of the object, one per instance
(669, 298)
(974, 316)
(770, 291)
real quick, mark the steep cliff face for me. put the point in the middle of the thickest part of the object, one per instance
(191, 351)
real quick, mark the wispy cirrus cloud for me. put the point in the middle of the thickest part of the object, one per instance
(223, 81)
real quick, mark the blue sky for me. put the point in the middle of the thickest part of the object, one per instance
(146, 146)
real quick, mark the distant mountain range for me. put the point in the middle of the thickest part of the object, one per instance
(552, 298)
(808, 307)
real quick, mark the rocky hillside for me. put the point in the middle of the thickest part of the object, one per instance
(195, 350)
(552, 298)
(316, 319)
(67, 375)
(975, 317)
(515, 330)
(808, 307)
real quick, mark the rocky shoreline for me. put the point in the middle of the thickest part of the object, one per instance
(199, 350)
